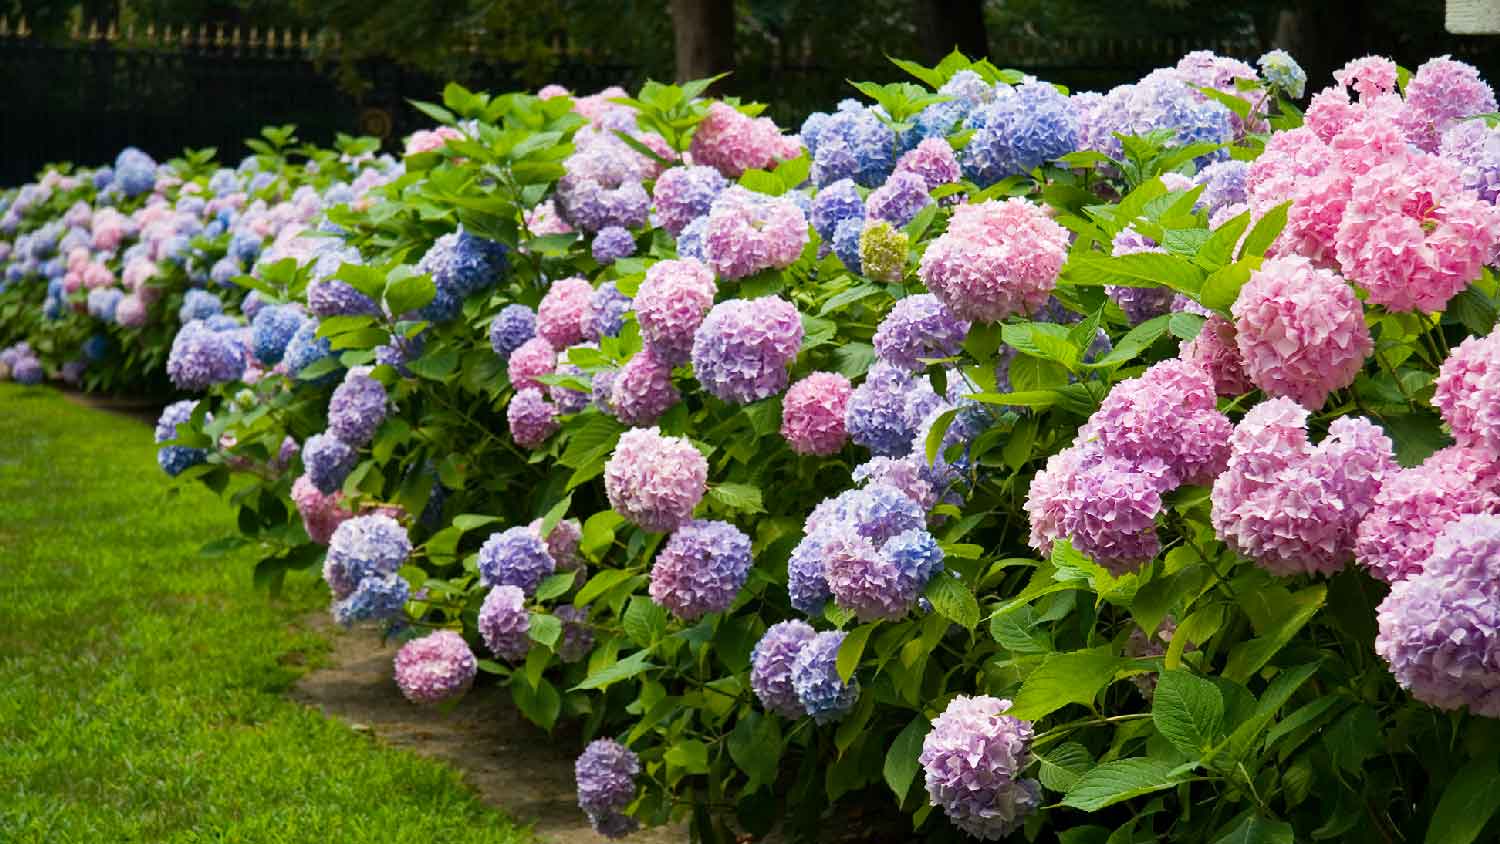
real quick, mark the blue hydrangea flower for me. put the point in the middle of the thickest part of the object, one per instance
(329, 461)
(611, 244)
(272, 329)
(460, 265)
(816, 680)
(244, 246)
(690, 242)
(199, 304)
(805, 582)
(201, 357)
(851, 143)
(516, 557)
(884, 411)
(356, 409)
(834, 204)
(370, 546)
(846, 237)
(374, 599)
(135, 172)
(174, 459)
(1026, 126)
(103, 302)
(305, 349)
(608, 306)
(96, 348)
(1281, 70)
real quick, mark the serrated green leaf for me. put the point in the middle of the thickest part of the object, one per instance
(1469, 800)
(1188, 711)
(1064, 678)
(901, 760)
(1120, 780)
(953, 600)
(852, 650)
(621, 670)
(1060, 767)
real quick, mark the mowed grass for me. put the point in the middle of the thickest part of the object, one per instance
(141, 686)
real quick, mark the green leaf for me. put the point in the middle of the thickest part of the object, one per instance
(1266, 229)
(901, 763)
(1276, 696)
(599, 584)
(622, 670)
(691, 755)
(555, 585)
(1137, 340)
(1120, 780)
(1254, 829)
(852, 650)
(1250, 656)
(1060, 767)
(1064, 678)
(743, 498)
(644, 620)
(546, 629)
(555, 514)
(755, 745)
(1468, 802)
(1221, 289)
(953, 600)
(409, 294)
(541, 705)
(848, 297)
(1188, 711)
(1474, 310)
(437, 364)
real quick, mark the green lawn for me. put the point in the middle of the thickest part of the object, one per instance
(141, 686)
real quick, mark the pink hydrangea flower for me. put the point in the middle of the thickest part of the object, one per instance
(1104, 505)
(435, 668)
(1300, 331)
(535, 357)
(933, 160)
(655, 481)
(1416, 504)
(431, 140)
(997, 258)
(733, 142)
(749, 232)
(642, 389)
(671, 304)
(1369, 76)
(1214, 350)
(1167, 415)
(559, 316)
(1292, 507)
(812, 413)
(1468, 392)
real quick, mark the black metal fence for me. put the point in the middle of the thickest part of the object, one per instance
(84, 99)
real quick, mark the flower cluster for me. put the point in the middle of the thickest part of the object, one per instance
(436, 668)
(997, 258)
(748, 232)
(605, 776)
(972, 761)
(701, 568)
(653, 480)
(812, 413)
(743, 348)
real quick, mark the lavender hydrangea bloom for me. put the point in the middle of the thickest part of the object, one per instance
(834, 204)
(329, 461)
(918, 327)
(374, 599)
(605, 775)
(461, 265)
(272, 329)
(690, 242)
(850, 143)
(202, 357)
(701, 568)
(771, 667)
(642, 390)
(971, 760)
(806, 584)
(532, 419)
(174, 459)
(372, 546)
(435, 668)
(611, 244)
(742, 351)
(1440, 630)
(357, 408)
(199, 304)
(876, 583)
(815, 678)
(514, 325)
(504, 623)
(224, 271)
(1025, 127)
(330, 297)
(846, 238)
(578, 634)
(306, 348)
(1224, 184)
(605, 315)
(683, 194)
(899, 199)
(884, 411)
(515, 557)
(655, 481)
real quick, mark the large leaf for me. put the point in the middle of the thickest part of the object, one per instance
(901, 763)
(952, 599)
(755, 746)
(621, 670)
(1065, 678)
(1060, 767)
(1120, 780)
(1468, 803)
(852, 650)
(1250, 656)
(1188, 711)
(1254, 829)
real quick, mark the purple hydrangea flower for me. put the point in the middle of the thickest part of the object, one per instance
(374, 599)
(372, 546)
(932, 160)
(874, 582)
(1440, 630)
(885, 410)
(531, 417)
(742, 350)
(701, 568)
(771, 667)
(515, 557)
(899, 199)
(605, 315)
(435, 668)
(683, 194)
(972, 759)
(611, 244)
(605, 775)
(504, 623)
(328, 297)
(815, 678)
(357, 408)
(202, 357)
(919, 327)
(329, 460)
(514, 325)
(642, 390)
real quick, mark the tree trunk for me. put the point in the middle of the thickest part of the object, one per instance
(947, 25)
(703, 37)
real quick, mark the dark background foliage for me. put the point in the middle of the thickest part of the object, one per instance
(73, 98)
